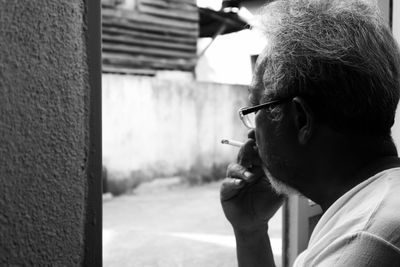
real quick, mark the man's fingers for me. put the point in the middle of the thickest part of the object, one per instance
(238, 171)
(251, 134)
(237, 179)
(230, 188)
(248, 154)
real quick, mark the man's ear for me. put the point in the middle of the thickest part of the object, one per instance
(303, 119)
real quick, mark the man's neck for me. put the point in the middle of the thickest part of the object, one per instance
(350, 169)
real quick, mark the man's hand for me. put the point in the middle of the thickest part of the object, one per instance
(246, 195)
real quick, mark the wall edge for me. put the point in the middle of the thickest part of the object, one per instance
(93, 215)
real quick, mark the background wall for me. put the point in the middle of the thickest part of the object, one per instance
(168, 125)
(45, 145)
(228, 59)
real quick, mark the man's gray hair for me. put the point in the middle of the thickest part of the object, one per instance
(339, 55)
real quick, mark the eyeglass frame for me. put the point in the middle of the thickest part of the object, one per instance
(243, 111)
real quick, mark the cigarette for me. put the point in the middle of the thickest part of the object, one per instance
(232, 142)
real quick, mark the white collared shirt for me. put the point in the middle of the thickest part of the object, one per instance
(362, 228)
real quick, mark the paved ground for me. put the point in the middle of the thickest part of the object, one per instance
(167, 225)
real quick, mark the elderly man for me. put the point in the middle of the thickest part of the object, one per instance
(323, 97)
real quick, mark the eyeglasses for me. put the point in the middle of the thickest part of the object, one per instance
(248, 114)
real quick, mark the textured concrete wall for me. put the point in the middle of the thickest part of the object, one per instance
(43, 132)
(168, 125)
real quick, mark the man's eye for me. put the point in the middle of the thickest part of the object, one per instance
(257, 111)
(271, 107)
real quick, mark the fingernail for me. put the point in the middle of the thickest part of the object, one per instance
(238, 181)
(247, 174)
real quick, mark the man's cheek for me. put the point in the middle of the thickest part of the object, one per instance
(279, 186)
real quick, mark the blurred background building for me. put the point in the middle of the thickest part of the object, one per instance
(174, 75)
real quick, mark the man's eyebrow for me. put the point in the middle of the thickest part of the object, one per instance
(251, 88)
(252, 100)
(265, 98)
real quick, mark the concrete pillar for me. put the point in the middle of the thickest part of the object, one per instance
(50, 133)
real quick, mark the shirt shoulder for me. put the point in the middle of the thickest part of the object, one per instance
(384, 221)
(359, 249)
(363, 227)
(366, 249)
